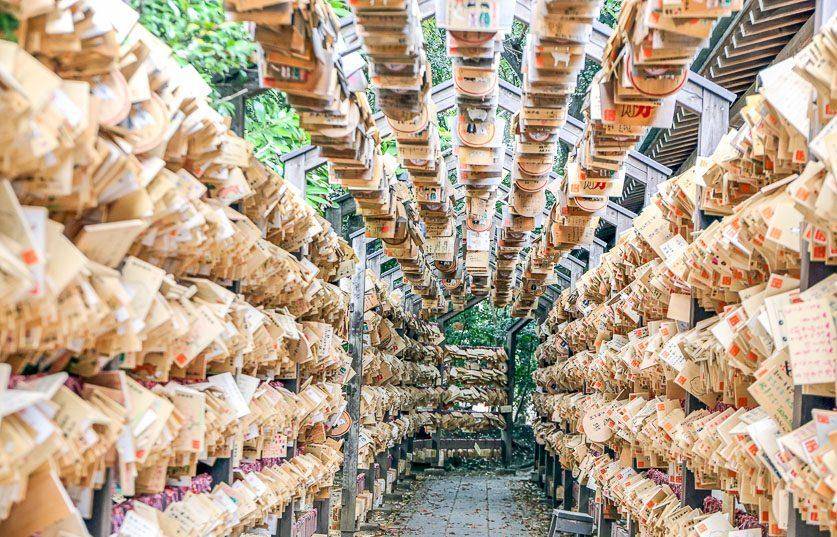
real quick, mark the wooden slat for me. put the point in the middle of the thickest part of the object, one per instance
(736, 77)
(676, 135)
(738, 87)
(677, 158)
(673, 155)
(749, 28)
(677, 131)
(681, 132)
(766, 5)
(723, 62)
(678, 144)
(799, 40)
(774, 43)
(780, 13)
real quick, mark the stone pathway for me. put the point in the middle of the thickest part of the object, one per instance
(465, 505)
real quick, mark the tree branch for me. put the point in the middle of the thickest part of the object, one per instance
(520, 405)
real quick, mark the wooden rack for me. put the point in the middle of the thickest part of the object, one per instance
(705, 109)
(222, 469)
(709, 126)
(438, 443)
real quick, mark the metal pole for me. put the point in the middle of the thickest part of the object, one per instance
(350, 445)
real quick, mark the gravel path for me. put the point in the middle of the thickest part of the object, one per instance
(471, 505)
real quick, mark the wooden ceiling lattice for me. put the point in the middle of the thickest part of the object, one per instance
(763, 29)
(755, 38)
(675, 144)
(745, 46)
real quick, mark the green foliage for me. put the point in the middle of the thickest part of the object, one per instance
(524, 385)
(610, 12)
(608, 15)
(582, 85)
(561, 159)
(445, 120)
(511, 59)
(550, 200)
(436, 49)
(199, 34)
(221, 51)
(374, 246)
(318, 191)
(8, 27)
(486, 325)
(272, 126)
(341, 9)
(389, 264)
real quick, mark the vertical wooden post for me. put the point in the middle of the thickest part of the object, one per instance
(222, 470)
(652, 180)
(286, 523)
(511, 351)
(350, 444)
(435, 443)
(548, 479)
(403, 451)
(811, 273)
(568, 490)
(714, 123)
(604, 524)
(370, 475)
(395, 453)
(692, 497)
(285, 527)
(595, 255)
(802, 406)
(335, 218)
(383, 464)
(583, 499)
(824, 10)
(239, 118)
(295, 172)
(538, 449)
(99, 525)
(557, 476)
(508, 416)
(632, 530)
(323, 508)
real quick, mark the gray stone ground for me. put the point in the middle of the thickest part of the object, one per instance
(469, 504)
